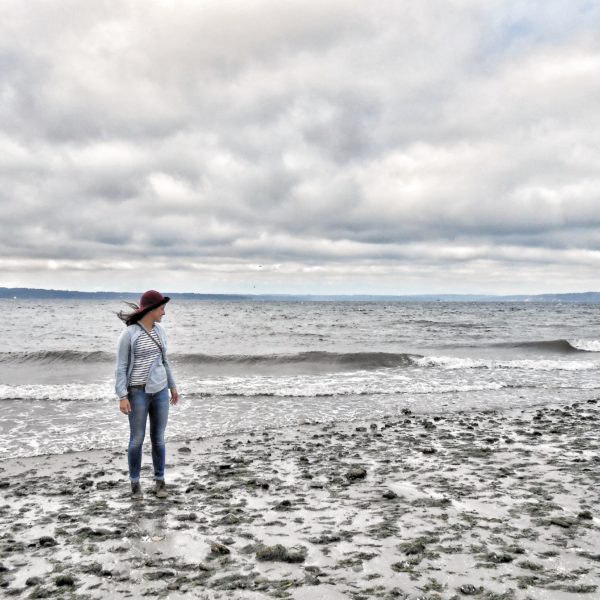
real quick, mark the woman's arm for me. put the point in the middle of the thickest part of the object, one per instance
(170, 378)
(174, 396)
(123, 351)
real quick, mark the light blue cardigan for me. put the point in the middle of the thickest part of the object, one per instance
(160, 374)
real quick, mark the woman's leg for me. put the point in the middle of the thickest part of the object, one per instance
(138, 416)
(159, 415)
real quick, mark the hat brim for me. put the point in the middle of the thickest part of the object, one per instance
(140, 312)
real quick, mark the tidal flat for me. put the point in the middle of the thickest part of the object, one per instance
(493, 505)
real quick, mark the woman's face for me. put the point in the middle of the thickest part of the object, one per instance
(157, 313)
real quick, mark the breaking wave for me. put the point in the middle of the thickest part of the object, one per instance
(354, 360)
(555, 346)
(454, 363)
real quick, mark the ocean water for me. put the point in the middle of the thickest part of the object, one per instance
(247, 366)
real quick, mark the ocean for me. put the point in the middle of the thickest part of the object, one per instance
(245, 366)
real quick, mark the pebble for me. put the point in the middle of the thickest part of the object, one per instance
(500, 557)
(47, 541)
(64, 581)
(219, 549)
(356, 473)
(159, 574)
(279, 552)
(565, 522)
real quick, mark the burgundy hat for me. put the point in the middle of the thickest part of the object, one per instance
(149, 301)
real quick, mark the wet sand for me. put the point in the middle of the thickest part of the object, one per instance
(492, 505)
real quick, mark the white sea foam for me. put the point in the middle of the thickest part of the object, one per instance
(385, 381)
(587, 345)
(433, 374)
(453, 363)
(58, 392)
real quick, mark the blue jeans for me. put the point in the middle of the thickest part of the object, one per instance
(157, 407)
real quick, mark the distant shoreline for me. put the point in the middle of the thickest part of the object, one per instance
(48, 294)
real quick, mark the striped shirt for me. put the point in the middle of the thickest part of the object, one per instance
(144, 354)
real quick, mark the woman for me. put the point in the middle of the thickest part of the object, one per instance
(143, 382)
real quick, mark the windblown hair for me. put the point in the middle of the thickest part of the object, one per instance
(128, 316)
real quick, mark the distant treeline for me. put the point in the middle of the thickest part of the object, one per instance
(40, 294)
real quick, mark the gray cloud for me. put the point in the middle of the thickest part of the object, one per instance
(340, 146)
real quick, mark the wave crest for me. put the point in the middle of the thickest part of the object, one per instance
(354, 360)
(53, 356)
(357, 360)
(560, 346)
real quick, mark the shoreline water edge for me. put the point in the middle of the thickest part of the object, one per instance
(497, 504)
(247, 365)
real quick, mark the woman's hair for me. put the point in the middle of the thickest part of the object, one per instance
(130, 316)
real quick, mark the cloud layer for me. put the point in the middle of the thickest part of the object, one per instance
(300, 146)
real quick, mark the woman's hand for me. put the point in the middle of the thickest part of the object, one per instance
(124, 405)
(174, 396)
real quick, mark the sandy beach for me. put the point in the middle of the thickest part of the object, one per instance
(489, 505)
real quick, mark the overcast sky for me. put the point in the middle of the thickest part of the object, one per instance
(326, 146)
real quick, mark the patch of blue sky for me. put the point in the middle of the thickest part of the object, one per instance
(528, 24)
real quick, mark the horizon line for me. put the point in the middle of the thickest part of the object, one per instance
(307, 295)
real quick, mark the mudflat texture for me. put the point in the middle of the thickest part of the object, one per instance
(488, 505)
